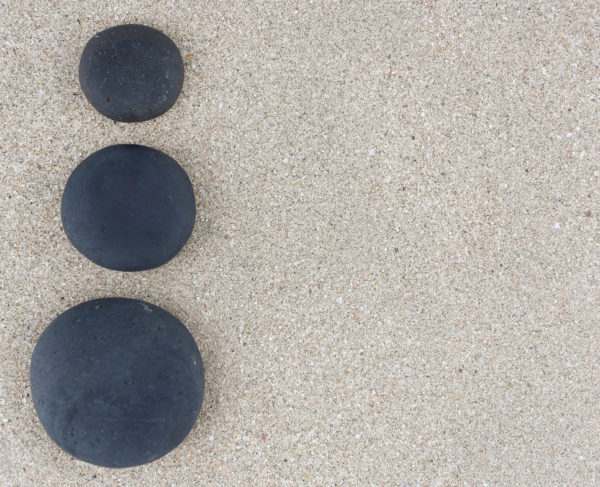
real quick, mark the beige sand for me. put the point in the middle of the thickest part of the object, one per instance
(394, 277)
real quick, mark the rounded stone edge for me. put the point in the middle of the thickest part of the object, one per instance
(140, 269)
(155, 307)
(83, 75)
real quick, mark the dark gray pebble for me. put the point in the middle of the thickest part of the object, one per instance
(117, 382)
(131, 73)
(128, 208)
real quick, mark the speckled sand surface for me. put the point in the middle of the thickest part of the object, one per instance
(394, 275)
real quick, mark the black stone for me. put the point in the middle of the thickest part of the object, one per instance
(117, 382)
(131, 73)
(128, 208)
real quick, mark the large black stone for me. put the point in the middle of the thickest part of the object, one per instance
(131, 73)
(128, 207)
(117, 382)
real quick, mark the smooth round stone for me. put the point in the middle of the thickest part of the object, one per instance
(128, 208)
(117, 382)
(131, 73)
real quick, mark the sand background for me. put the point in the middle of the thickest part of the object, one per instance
(394, 274)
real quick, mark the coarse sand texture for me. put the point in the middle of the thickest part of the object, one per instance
(393, 277)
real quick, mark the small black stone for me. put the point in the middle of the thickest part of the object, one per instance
(128, 208)
(117, 382)
(131, 73)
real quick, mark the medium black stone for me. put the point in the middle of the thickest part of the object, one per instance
(131, 73)
(128, 207)
(117, 382)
